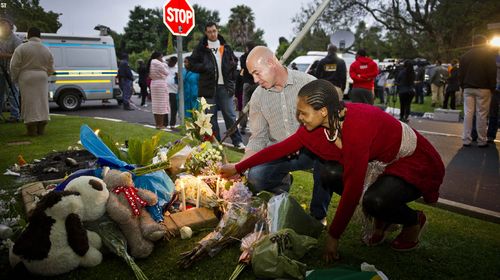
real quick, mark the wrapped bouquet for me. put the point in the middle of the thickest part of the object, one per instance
(237, 222)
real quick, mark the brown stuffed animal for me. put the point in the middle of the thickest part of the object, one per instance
(126, 207)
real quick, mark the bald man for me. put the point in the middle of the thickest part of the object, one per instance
(272, 118)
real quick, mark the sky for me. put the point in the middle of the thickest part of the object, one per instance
(80, 17)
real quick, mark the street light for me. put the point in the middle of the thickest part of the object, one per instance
(495, 41)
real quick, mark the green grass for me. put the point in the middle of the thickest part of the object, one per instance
(420, 108)
(454, 246)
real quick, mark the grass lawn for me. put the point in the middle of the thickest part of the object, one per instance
(454, 246)
(415, 108)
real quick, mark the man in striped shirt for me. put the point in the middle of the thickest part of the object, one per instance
(272, 118)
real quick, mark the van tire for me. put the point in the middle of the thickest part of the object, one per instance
(69, 101)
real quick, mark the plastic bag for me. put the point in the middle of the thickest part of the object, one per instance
(160, 184)
(285, 212)
(276, 255)
(94, 144)
(368, 272)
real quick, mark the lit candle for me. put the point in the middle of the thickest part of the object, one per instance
(217, 188)
(183, 196)
(198, 194)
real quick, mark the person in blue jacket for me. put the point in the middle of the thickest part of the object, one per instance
(190, 89)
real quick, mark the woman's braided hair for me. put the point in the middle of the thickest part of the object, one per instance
(322, 93)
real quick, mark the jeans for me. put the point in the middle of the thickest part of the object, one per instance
(493, 119)
(247, 94)
(449, 95)
(13, 97)
(126, 87)
(361, 95)
(144, 94)
(223, 101)
(271, 177)
(419, 93)
(173, 100)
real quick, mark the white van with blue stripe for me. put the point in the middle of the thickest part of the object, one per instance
(85, 69)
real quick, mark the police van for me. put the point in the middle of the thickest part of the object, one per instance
(85, 69)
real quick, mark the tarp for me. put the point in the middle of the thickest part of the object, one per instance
(105, 157)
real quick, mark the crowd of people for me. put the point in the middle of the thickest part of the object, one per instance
(24, 71)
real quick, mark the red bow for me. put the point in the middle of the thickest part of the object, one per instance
(132, 198)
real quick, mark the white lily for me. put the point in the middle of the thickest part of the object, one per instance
(204, 104)
(205, 126)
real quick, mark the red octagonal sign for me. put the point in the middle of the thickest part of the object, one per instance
(178, 16)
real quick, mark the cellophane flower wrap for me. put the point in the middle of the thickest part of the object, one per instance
(238, 221)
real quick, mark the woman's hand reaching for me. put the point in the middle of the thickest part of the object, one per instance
(331, 249)
(228, 170)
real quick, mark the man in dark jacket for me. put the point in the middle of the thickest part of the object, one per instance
(477, 76)
(125, 81)
(216, 63)
(332, 68)
(248, 82)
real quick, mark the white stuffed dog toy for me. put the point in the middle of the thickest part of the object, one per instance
(55, 240)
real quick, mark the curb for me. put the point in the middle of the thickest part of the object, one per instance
(468, 210)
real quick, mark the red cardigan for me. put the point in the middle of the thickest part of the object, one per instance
(368, 133)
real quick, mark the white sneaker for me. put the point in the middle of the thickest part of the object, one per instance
(145, 105)
(240, 146)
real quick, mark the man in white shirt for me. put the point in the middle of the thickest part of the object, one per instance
(272, 118)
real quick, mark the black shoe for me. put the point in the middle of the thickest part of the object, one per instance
(128, 109)
(12, 120)
(483, 146)
(466, 145)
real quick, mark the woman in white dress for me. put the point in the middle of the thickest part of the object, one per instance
(159, 92)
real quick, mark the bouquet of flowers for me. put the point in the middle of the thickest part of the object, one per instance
(199, 127)
(114, 239)
(237, 222)
(247, 246)
(205, 158)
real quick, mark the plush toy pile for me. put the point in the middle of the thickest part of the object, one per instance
(55, 240)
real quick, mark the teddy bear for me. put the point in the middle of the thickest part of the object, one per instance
(125, 207)
(55, 241)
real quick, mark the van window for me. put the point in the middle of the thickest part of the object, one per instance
(58, 56)
(80, 57)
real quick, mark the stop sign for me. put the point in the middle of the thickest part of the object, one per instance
(178, 16)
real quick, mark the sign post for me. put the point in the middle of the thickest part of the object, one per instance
(178, 16)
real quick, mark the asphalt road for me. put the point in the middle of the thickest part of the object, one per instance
(472, 174)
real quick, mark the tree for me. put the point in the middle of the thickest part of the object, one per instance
(241, 27)
(140, 30)
(28, 13)
(430, 28)
(370, 39)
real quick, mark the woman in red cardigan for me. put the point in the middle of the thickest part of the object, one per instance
(386, 164)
